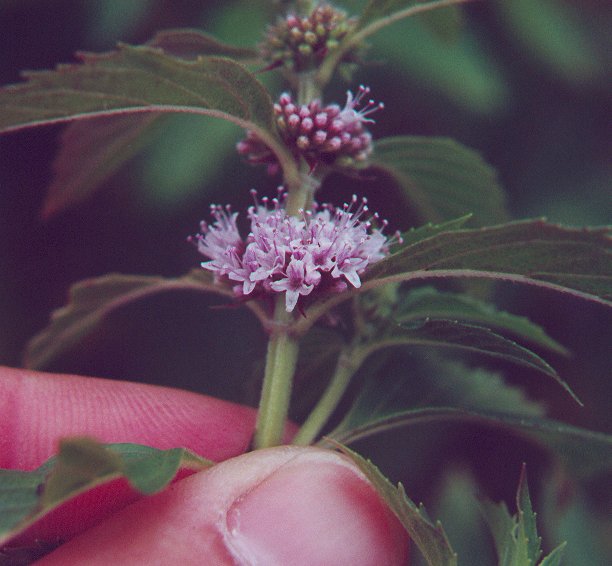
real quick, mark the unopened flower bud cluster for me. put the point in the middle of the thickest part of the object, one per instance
(301, 43)
(320, 134)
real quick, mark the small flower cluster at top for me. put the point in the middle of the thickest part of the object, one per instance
(320, 134)
(320, 250)
(301, 43)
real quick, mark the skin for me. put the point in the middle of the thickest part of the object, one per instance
(284, 505)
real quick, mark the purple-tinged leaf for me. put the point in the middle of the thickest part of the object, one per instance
(82, 465)
(576, 261)
(441, 179)
(428, 536)
(91, 151)
(92, 300)
(192, 43)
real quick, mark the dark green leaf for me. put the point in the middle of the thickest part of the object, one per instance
(81, 465)
(433, 380)
(441, 179)
(92, 300)
(142, 79)
(193, 43)
(428, 302)
(376, 15)
(90, 152)
(575, 261)
(574, 518)
(430, 538)
(415, 235)
(554, 34)
(453, 392)
(585, 451)
(385, 12)
(462, 336)
(181, 164)
(516, 537)
(458, 507)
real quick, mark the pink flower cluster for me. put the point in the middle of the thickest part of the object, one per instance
(320, 250)
(320, 134)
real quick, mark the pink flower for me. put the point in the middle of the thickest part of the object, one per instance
(320, 134)
(318, 252)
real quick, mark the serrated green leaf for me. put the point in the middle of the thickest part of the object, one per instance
(430, 538)
(428, 302)
(441, 179)
(142, 79)
(462, 336)
(555, 557)
(81, 465)
(92, 300)
(528, 530)
(516, 538)
(575, 261)
(586, 452)
(136, 79)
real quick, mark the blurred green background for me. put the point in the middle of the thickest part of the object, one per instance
(525, 83)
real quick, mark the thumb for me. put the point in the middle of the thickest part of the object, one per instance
(286, 505)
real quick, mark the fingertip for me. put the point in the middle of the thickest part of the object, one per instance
(40, 408)
(287, 505)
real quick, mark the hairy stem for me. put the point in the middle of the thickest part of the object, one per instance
(301, 193)
(281, 359)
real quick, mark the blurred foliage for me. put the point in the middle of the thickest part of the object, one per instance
(524, 83)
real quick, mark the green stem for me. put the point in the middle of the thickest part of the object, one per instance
(347, 365)
(301, 193)
(283, 346)
(278, 379)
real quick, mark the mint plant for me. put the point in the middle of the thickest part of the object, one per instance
(324, 279)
